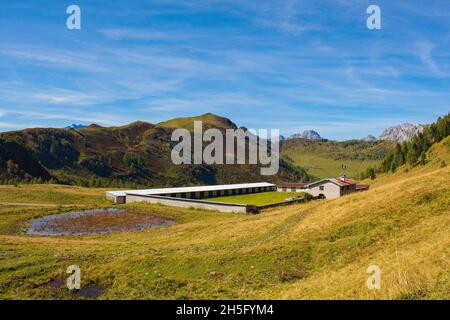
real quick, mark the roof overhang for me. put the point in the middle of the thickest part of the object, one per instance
(190, 189)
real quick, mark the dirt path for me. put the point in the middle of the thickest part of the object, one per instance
(282, 229)
(27, 204)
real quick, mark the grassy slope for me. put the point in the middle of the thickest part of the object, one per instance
(258, 199)
(56, 194)
(324, 159)
(314, 250)
(321, 166)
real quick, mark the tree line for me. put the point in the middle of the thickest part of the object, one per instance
(412, 152)
(90, 182)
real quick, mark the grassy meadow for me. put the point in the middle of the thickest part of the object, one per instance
(317, 250)
(258, 199)
(321, 166)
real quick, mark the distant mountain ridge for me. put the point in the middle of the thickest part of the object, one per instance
(369, 138)
(402, 132)
(307, 134)
(75, 126)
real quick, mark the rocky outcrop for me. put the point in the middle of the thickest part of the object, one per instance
(402, 132)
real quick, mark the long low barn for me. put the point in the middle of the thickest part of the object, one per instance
(199, 192)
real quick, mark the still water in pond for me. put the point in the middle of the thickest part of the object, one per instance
(95, 221)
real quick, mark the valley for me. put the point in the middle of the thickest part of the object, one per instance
(324, 158)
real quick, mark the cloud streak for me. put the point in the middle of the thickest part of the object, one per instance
(425, 50)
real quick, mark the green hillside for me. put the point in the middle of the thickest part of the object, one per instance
(324, 158)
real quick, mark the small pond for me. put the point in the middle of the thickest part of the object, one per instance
(95, 221)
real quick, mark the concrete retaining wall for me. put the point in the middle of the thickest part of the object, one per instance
(116, 199)
(189, 203)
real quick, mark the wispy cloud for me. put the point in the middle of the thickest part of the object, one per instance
(425, 50)
(140, 34)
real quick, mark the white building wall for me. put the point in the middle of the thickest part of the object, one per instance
(330, 190)
(186, 203)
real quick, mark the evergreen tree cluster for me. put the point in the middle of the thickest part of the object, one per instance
(91, 182)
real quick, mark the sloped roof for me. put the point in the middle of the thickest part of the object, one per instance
(190, 189)
(348, 180)
(341, 182)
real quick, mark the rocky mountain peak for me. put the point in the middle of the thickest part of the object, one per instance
(307, 134)
(369, 138)
(402, 132)
(75, 126)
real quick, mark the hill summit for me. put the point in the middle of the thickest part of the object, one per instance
(209, 120)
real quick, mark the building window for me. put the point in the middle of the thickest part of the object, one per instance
(321, 188)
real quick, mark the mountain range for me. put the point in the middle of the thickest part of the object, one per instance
(400, 133)
(139, 153)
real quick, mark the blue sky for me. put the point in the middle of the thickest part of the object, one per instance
(292, 65)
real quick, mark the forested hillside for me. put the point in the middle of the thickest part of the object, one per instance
(137, 154)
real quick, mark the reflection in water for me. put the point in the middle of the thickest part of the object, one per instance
(95, 221)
